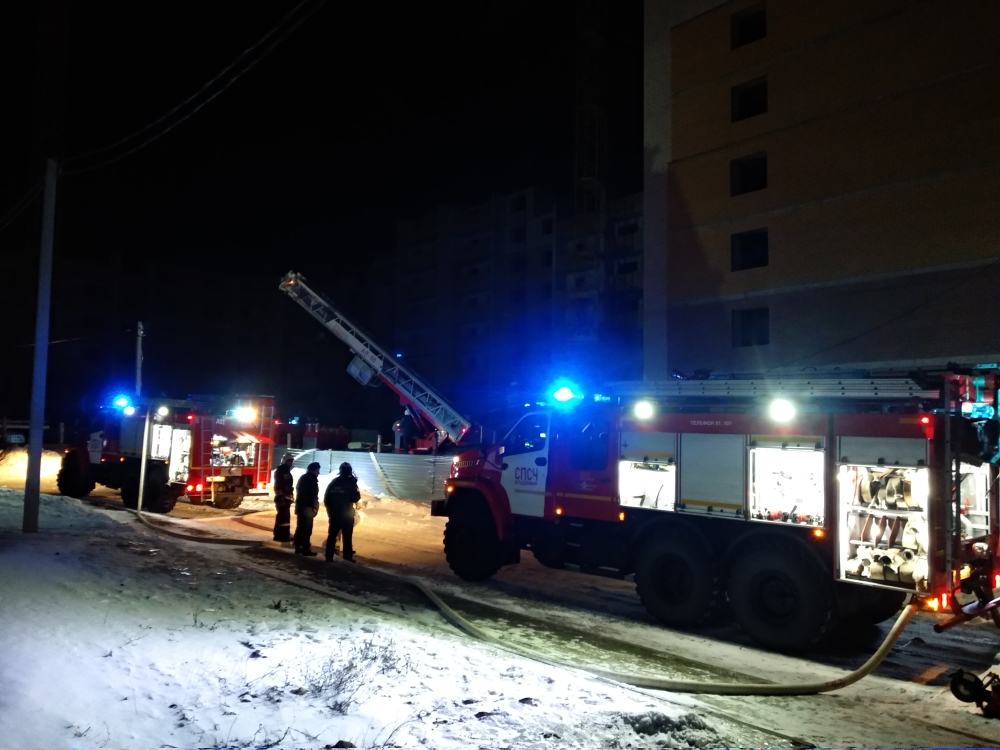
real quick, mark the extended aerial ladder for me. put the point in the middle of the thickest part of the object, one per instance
(371, 361)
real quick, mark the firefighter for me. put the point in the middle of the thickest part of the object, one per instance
(407, 428)
(306, 508)
(341, 495)
(284, 486)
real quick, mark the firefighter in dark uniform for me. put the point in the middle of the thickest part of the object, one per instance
(306, 508)
(284, 486)
(341, 495)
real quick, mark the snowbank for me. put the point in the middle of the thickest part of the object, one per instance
(114, 636)
(55, 513)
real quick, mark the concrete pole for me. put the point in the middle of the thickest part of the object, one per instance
(33, 481)
(138, 360)
(142, 459)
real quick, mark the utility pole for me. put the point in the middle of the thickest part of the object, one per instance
(138, 361)
(33, 481)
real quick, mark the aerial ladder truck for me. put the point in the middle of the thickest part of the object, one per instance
(440, 424)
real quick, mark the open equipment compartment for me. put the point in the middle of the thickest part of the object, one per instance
(786, 479)
(883, 515)
(974, 513)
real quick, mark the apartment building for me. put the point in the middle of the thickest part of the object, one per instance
(821, 184)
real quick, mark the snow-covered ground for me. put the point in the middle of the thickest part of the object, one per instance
(115, 636)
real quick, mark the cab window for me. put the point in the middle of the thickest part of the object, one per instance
(588, 444)
(529, 435)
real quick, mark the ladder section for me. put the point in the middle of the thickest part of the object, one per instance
(397, 377)
(839, 388)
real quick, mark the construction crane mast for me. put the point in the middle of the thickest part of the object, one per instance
(371, 361)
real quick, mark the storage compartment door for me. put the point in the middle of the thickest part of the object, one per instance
(874, 451)
(713, 474)
(648, 447)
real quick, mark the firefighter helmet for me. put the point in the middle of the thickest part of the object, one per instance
(346, 469)
(287, 457)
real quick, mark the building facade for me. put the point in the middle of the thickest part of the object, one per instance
(492, 301)
(821, 185)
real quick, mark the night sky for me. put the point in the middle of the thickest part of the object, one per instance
(362, 116)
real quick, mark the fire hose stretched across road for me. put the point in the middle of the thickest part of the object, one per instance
(650, 683)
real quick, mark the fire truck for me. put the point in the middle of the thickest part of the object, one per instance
(437, 424)
(195, 448)
(796, 504)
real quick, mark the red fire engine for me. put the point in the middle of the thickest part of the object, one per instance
(196, 447)
(800, 502)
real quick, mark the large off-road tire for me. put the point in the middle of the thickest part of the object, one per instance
(471, 543)
(228, 501)
(549, 550)
(676, 579)
(70, 480)
(865, 605)
(780, 596)
(155, 497)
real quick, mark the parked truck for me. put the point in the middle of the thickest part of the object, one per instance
(201, 448)
(796, 503)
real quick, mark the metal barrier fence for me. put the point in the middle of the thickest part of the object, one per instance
(402, 475)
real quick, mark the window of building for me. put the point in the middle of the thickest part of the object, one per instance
(749, 99)
(547, 291)
(517, 234)
(547, 259)
(748, 249)
(547, 226)
(629, 227)
(517, 295)
(518, 264)
(747, 174)
(749, 25)
(751, 327)
(628, 266)
(518, 203)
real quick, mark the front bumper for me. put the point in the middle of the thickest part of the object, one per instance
(439, 508)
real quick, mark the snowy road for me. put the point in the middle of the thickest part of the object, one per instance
(600, 621)
(581, 618)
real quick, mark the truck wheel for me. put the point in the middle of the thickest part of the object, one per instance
(228, 501)
(549, 551)
(780, 596)
(864, 605)
(154, 499)
(471, 545)
(70, 479)
(676, 579)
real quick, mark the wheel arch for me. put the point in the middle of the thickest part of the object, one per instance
(658, 527)
(498, 506)
(755, 537)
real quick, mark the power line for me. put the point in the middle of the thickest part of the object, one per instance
(20, 206)
(170, 124)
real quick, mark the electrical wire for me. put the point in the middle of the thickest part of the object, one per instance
(169, 121)
(20, 206)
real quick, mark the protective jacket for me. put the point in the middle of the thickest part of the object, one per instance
(341, 494)
(307, 495)
(283, 481)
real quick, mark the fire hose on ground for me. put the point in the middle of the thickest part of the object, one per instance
(649, 683)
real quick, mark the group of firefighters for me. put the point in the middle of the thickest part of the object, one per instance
(340, 498)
